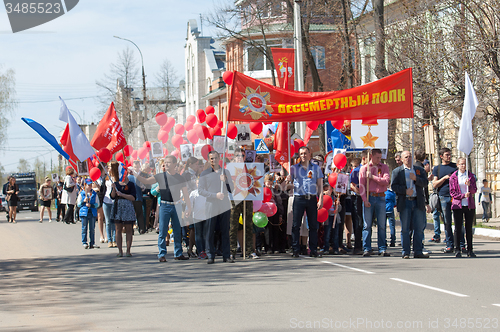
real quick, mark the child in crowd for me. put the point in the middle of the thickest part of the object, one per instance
(199, 220)
(390, 203)
(88, 204)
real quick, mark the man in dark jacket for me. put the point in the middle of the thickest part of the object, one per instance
(408, 183)
(218, 205)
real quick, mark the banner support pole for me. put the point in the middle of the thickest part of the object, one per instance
(224, 159)
(243, 249)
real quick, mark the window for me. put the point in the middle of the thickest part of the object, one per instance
(256, 60)
(318, 53)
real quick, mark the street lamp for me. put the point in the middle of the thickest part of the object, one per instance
(145, 116)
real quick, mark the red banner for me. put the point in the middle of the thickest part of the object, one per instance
(109, 132)
(284, 62)
(388, 98)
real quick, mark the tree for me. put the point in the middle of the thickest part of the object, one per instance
(118, 86)
(7, 101)
(168, 80)
(23, 166)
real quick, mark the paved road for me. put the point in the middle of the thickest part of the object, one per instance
(49, 282)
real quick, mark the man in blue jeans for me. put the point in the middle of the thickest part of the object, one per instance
(408, 183)
(171, 184)
(440, 182)
(307, 179)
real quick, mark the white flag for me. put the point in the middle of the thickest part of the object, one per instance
(465, 137)
(80, 142)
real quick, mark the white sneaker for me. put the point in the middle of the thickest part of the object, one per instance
(85, 246)
(254, 256)
(50, 220)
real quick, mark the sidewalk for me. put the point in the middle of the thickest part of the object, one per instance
(482, 231)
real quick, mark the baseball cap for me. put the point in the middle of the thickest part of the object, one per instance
(88, 181)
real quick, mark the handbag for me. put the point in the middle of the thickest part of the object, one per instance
(434, 202)
(68, 189)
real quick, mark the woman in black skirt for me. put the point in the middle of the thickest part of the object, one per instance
(123, 192)
(12, 198)
(46, 193)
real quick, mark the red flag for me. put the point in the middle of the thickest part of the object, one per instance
(282, 145)
(285, 66)
(308, 135)
(68, 147)
(109, 132)
(252, 100)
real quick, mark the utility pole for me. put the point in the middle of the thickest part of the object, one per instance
(145, 115)
(299, 69)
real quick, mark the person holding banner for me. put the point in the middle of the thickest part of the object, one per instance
(235, 228)
(374, 201)
(218, 205)
(171, 184)
(307, 179)
(462, 190)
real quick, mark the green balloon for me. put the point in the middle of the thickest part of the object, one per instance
(260, 219)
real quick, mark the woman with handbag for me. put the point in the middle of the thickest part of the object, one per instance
(462, 190)
(69, 195)
(12, 198)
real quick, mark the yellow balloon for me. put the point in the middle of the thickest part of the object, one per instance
(241, 220)
(170, 231)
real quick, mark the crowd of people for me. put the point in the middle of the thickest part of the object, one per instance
(193, 202)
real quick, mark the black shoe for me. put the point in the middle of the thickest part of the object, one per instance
(406, 256)
(471, 254)
(230, 259)
(315, 255)
(366, 254)
(357, 252)
(392, 244)
(181, 258)
(448, 250)
(458, 254)
(464, 250)
(295, 254)
(421, 255)
(210, 261)
(162, 259)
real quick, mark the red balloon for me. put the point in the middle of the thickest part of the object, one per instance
(95, 173)
(104, 155)
(176, 153)
(301, 143)
(267, 194)
(161, 118)
(220, 124)
(206, 132)
(212, 132)
(188, 126)
(177, 141)
(119, 157)
(256, 127)
(340, 160)
(179, 129)
(269, 209)
(147, 145)
(327, 202)
(322, 215)
(191, 118)
(165, 151)
(211, 120)
(199, 131)
(96, 162)
(292, 150)
(142, 153)
(227, 77)
(163, 136)
(296, 146)
(170, 124)
(337, 124)
(232, 131)
(192, 136)
(209, 110)
(205, 150)
(128, 150)
(134, 154)
(201, 115)
(217, 131)
(313, 125)
(332, 179)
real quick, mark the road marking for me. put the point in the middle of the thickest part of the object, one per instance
(497, 305)
(430, 287)
(348, 267)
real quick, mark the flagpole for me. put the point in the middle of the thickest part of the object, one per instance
(244, 229)
(224, 158)
(290, 142)
(412, 141)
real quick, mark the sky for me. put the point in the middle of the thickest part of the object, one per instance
(66, 56)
